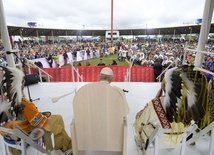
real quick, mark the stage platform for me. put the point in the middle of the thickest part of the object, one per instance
(138, 95)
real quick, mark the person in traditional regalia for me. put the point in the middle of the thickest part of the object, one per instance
(181, 101)
(17, 111)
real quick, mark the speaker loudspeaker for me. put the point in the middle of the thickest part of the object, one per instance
(31, 79)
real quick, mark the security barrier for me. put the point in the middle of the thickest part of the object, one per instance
(91, 73)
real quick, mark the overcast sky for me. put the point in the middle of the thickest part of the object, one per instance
(96, 14)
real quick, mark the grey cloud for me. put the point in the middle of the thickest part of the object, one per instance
(96, 13)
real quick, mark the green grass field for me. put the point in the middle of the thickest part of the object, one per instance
(107, 60)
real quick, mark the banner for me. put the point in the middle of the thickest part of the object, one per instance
(91, 73)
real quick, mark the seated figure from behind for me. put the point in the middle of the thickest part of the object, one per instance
(181, 101)
(18, 111)
(106, 76)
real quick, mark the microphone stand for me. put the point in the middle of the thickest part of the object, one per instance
(23, 67)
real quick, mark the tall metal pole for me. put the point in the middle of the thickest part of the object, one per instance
(5, 37)
(174, 35)
(37, 35)
(112, 16)
(205, 28)
(52, 36)
(190, 37)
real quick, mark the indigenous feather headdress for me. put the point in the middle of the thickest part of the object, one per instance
(11, 92)
(186, 95)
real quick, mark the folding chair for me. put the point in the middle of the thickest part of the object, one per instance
(204, 133)
(154, 138)
(99, 123)
(22, 144)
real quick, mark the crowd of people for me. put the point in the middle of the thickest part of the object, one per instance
(157, 54)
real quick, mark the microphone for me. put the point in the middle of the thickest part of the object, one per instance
(126, 91)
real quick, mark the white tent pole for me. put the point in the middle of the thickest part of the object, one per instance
(205, 28)
(5, 37)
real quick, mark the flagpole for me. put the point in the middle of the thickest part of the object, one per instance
(112, 16)
(5, 37)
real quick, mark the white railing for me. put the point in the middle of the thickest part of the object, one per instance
(194, 50)
(128, 71)
(184, 62)
(203, 70)
(29, 64)
(199, 51)
(75, 71)
(175, 62)
(79, 77)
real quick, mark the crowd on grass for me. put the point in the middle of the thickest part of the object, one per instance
(156, 53)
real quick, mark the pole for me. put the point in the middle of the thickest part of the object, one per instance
(174, 35)
(66, 33)
(37, 35)
(20, 31)
(190, 37)
(72, 69)
(5, 37)
(205, 28)
(159, 35)
(112, 1)
(52, 37)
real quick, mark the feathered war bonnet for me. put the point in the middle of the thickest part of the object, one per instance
(11, 89)
(186, 95)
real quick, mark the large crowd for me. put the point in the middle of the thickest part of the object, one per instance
(140, 52)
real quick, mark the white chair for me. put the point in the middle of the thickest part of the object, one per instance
(99, 124)
(154, 138)
(22, 144)
(204, 134)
